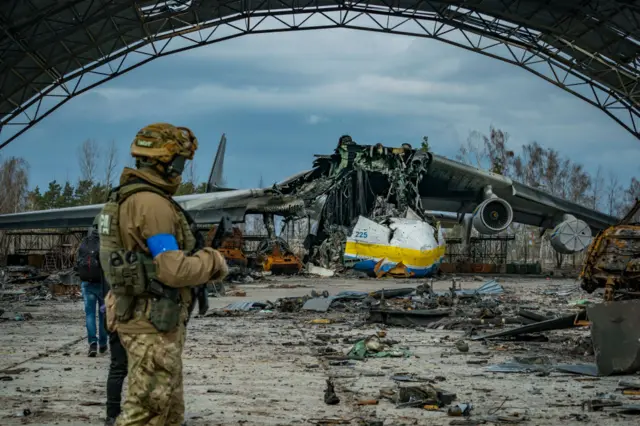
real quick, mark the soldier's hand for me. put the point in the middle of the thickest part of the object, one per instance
(221, 268)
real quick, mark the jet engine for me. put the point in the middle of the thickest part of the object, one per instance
(570, 236)
(492, 216)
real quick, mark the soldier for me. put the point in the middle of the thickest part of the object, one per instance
(149, 257)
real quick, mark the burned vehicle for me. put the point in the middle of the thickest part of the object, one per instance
(613, 260)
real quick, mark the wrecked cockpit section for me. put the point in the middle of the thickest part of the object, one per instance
(355, 184)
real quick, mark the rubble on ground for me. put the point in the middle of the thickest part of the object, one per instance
(27, 283)
(314, 353)
(437, 351)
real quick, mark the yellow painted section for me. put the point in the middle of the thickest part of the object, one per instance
(410, 257)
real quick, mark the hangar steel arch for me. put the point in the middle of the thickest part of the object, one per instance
(53, 50)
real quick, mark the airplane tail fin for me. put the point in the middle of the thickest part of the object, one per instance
(215, 177)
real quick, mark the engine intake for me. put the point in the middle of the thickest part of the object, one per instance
(492, 216)
(571, 236)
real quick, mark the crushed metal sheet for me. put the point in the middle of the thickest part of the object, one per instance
(244, 306)
(407, 318)
(522, 367)
(390, 293)
(489, 288)
(582, 369)
(560, 323)
(319, 304)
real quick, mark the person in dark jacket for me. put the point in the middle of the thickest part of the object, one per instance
(88, 268)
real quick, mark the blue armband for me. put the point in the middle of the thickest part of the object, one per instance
(161, 243)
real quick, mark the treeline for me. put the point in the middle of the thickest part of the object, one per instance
(85, 192)
(99, 173)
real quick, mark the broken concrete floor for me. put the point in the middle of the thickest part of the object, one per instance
(263, 368)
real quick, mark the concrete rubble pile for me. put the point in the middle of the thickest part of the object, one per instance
(27, 283)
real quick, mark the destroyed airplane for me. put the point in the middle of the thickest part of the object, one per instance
(375, 208)
(389, 184)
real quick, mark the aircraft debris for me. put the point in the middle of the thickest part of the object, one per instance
(404, 247)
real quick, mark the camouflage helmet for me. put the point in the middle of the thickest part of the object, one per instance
(163, 142)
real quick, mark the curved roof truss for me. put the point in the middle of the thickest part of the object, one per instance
(53, 50)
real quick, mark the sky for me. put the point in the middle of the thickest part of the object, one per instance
(280, 98)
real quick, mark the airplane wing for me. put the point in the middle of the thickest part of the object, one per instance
(455, 187)
(205, 209)
(492, 202)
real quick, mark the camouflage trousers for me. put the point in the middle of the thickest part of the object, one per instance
(155, 390)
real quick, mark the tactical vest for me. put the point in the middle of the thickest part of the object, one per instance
(132, 274)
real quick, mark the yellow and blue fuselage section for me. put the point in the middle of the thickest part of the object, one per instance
(417, 244)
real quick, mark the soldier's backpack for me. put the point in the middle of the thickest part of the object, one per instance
(88, 259)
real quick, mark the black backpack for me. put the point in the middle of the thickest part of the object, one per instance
(88, 259)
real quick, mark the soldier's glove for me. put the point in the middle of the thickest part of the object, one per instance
(221, 268)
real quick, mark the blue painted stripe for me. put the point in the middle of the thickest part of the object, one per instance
(161, 243)
(369, 265)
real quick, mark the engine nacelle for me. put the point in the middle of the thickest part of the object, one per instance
(492, 216)
(571, 236)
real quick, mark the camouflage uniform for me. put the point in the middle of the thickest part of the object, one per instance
(155, 394)
(141, 218)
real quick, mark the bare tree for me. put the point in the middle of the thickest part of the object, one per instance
(579, 184)
(495, 146)
(189, 174)
(88, 155)
(473, 152)
(597, 187)
(111, 162)
(14, 181)
(614, 189)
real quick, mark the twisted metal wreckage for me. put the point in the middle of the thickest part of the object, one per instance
(365, 210)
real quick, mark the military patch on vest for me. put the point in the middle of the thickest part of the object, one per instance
(104, 224)
(141, 142)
